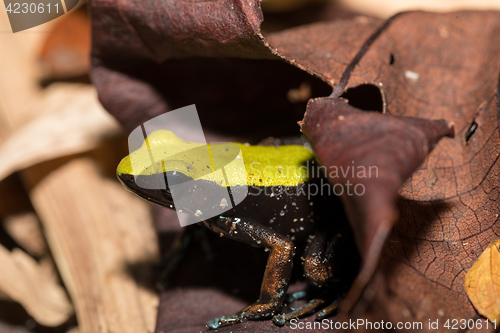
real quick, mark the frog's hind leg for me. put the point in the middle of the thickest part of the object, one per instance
(318, 259)
(319, 271)
(278, 269)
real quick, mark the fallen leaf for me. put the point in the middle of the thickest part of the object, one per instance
(390, 147)
(77, 124)
(447, 207)
(224, 56)
(482, 282)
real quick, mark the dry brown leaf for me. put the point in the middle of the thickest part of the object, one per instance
(482, 282)
(76, 122)
(101, 241)
(120, 285)
(28, 283)
(395, 145)
(110, 282)
(19, 80)
(25, 229)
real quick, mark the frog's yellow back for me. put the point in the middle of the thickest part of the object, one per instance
(163, 151)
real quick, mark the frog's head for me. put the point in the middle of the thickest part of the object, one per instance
(165, 160)
(147, 173)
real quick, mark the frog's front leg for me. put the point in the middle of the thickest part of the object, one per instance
(278, 269)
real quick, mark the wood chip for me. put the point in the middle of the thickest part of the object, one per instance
(25, 281)
(103, 243)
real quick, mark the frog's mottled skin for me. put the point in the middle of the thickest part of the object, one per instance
(277, 215)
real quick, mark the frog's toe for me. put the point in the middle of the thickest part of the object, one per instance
(280, 319)
(214, 324)
(260, 310)
(328, 310)
(218, 322)
(283, 318)
(252, 312)
(312, 306)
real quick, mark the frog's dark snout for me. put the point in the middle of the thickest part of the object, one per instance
(150, 187)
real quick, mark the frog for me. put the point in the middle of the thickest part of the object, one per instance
(279, 213)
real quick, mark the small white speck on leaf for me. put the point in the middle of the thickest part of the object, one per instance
(412, 76)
